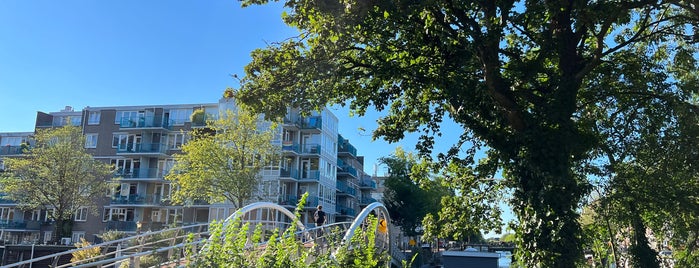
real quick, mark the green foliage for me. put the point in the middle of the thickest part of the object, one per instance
(515, 75)
(85, 254)
(57, 173)
(222, 162)
(112, 235)
(404, 197)
(234, 244)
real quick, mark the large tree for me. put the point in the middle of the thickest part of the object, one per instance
(409, 194)
(57, 175)
(223, 161)
(510, 73)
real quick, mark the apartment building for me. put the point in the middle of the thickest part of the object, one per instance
(140, 142)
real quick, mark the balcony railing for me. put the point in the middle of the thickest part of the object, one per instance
(140, 173)
(288, 200)
(145, 122)
(343, 146)
(142, 148)
(289, 173)
(367, 200)
(313, 122)
(368, 184)
(135, 199)
(27, 225)
(11, 150)
(310, 149)
(343, 210)
(311, 202)
(310, 175)
(349, 169)
(124, 226)
(290, 147)
(344, 188)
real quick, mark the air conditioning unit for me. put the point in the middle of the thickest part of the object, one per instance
(66, 241)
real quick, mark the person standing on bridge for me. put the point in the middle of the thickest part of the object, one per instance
(319, 217)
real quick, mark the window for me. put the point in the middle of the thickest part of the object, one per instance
(49, 214)
(218, 214)
(47, 236)
(155, 216)
(77, 236)
(174, 216)
(118, 139)
(12, 141)
(81, 214)
(118, 214)
(36, 215)
(93, 118)
(180, 116)
(175, 141)
(127, 117)
(91, 140)
(7, 214)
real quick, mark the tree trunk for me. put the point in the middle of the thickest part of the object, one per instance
(643, 256)
(548, 196)
(63, 228)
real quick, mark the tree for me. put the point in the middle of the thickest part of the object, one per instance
(407, 202)
(509, 72)
(223, 161)
(57, 175)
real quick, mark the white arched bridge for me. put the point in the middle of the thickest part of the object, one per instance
(172, 247)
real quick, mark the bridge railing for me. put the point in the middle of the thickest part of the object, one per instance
(115, 251)
(173, 244)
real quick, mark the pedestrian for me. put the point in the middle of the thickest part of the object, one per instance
(319, 217)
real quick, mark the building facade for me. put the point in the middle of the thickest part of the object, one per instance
(141, 141)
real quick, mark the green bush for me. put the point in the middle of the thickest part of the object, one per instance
(232, 245)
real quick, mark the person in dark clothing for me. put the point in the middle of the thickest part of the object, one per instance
(319, 216)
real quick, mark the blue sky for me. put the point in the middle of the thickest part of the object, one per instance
(110, 53)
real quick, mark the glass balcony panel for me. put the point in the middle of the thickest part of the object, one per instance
(145, 122)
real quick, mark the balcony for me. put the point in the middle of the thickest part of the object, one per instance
(144, 122)
(142, 148)
(313, 175)
(368, 184)
(366, 201)
(5, 200)
(136, 199)
(140, 173)
(24, 225)
(311, 202)
(12, 150)
(124, 226)
(310, 149)
(290, 147)
(288, 200)
(345, 148)
(343, 188)
(312, 123)
(288, 174)
(348, 170)
(343, 210)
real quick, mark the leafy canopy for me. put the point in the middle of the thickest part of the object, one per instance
(56, 174)
(222, 162)
(510, 73)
